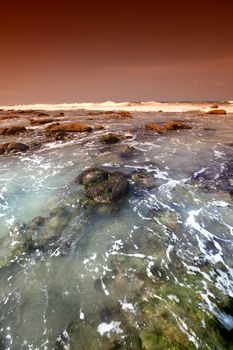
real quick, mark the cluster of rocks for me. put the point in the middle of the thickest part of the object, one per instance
(168, 126)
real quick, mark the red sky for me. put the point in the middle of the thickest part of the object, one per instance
(76, 51)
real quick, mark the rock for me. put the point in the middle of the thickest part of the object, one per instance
(209, 129)
(36, 222)
(51, 126)
(17, 146)
(110, 190)
(48, 132)
(175, 125)
(5, 117)
(43, 114)
(41, 121)
(142, 179)
(92, 176)
(103, 187)
(29, 111)
(126, 151)
(12, 130)
(154, 127)
(61, 114)
(217, 112)
(117, 114)
(214, 105)
(79, 178)
(99, 127)
(3, 147)
(71, 127)
(110, 138)
(15, 130)
(124, 114)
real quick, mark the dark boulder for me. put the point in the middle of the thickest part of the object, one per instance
(103, 187)
(3, 147)
(94, 177)
(110, 138)
(110, 190)
(17, 147)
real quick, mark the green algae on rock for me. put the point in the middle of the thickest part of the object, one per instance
(102, 186)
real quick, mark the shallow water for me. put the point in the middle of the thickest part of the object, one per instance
(154, 272)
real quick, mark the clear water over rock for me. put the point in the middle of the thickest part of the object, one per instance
(151, 270)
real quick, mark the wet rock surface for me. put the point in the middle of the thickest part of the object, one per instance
(13, 146)
(110, 138)
(217, 112)
(71, 127)
(102, 186)
(12, 130)
(168, 126)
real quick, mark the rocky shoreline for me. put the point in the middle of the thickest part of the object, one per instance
(150, 295)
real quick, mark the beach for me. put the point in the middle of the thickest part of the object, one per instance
(116, 226)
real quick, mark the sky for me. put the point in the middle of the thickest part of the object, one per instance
(80, 51)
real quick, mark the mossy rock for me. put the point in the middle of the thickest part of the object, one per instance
(103, 187)
(110, 190)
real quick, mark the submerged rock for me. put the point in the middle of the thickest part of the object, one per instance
(142, 179)
(110, 138)
(36, 222)
(215, 177)
(102, 186)
(126, 151)
(217, 111)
